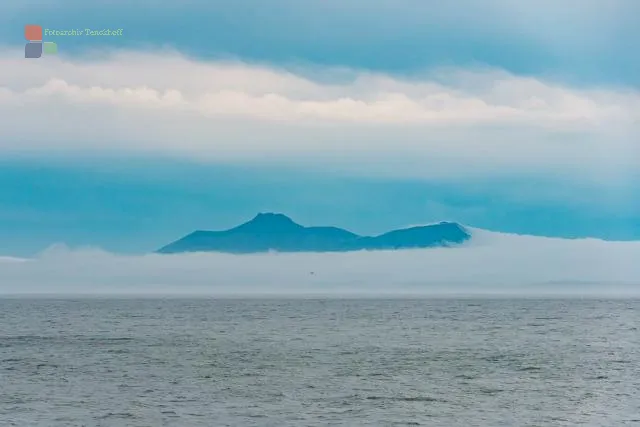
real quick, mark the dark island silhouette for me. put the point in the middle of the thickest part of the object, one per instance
(277, 232)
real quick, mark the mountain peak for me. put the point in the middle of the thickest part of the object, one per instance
(271, 216)
(271, 221)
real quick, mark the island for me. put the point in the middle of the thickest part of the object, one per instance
(277, 232)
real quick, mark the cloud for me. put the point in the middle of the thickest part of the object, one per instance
(11, 259)
(214, 90)
(163, 104)
(492, 263)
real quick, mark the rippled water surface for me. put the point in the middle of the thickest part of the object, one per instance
(207, 362)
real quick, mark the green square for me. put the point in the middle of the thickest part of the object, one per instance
(50, 47)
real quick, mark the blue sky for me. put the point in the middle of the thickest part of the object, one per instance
(512, 116)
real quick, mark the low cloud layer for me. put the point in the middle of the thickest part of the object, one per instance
(430, 125)
(492, 263)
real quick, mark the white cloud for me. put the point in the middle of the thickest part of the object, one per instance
(482, 121)
(253, 92)
(492, 263)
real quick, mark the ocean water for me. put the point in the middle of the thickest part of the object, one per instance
(319, 362)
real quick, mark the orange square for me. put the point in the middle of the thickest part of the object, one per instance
(33, 32)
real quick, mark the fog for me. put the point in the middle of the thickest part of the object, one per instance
(490, 264)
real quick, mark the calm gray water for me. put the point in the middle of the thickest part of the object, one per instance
(458, 362)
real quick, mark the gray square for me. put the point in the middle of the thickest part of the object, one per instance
(33, 50)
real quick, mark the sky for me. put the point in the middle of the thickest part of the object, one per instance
(516, 117)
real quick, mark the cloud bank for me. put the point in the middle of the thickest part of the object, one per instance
(492, 263)
(253, 92)
(168, 105)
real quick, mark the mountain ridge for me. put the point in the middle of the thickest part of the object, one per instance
(277, 232)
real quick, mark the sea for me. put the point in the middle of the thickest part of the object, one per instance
(319, 362)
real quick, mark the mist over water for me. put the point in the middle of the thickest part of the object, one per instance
(491, 263)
